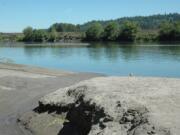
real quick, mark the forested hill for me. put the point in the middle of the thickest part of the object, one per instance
(145, 22)
(146, 28)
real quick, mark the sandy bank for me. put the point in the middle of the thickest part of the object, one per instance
(22, 86)
(23, 69)
(82, 103)
(109, 105)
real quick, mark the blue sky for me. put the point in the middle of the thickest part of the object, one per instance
(17, 14)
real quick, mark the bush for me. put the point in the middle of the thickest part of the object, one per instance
(53, 35)
(111, 31)
(34, 35)
(94, 32)
(28, 34)
(128, 31)
(169, 31)
(39, 36)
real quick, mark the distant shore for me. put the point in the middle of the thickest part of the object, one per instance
(45, 44)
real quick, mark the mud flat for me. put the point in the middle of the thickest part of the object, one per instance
(22, 86)
(109, 105)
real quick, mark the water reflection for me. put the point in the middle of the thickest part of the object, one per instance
(110, 51)
(107, 58)
(34, 51)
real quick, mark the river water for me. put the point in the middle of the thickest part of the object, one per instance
(154, 59)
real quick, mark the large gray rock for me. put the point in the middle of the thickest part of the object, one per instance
(118, 106)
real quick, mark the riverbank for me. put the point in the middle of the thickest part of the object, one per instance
(22, 86)
(45, 44)
(109, 105)
(106, 105)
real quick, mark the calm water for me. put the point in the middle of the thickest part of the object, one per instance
(109, 59)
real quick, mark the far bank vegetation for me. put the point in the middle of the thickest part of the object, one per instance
(127, 29)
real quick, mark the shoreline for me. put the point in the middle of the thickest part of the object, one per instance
(43, 44)
(21, 88)
(34, 69)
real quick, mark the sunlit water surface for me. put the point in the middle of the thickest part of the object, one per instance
(106, 58)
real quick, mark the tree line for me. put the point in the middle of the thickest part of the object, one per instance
(145, 22)
(39, 35)
(112, 32)
(131, 31)
(65, 27)
(128, 32)
(96, 32)
(150, 28)
(55, 33)
(169, 31)
(139, 28)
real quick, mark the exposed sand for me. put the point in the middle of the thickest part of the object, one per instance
(160, 97)
(22, 86)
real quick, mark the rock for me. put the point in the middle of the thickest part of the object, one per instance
(118, 106)
(42, 124)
